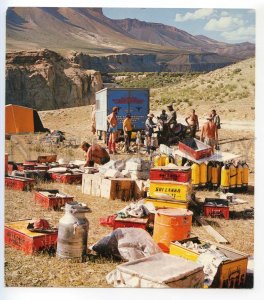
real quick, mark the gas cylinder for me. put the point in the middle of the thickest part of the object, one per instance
(245, 176)
(216, 174)
(169, 160)
(233, 174)
(157, 161)
(195, 175)
(73, 231)
(239, 175)
(203, 174)
(209, 173)
(225, 178)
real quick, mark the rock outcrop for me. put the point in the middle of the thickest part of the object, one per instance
(117, 62)
(45, 80)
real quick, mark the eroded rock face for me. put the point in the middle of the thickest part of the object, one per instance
(46, 80)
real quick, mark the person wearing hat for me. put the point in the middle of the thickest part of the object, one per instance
(172, 117)
(149, 126)
(112, 120)
(127, 127)
(209, 133)
(94, 154)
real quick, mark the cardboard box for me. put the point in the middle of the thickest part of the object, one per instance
(87, 183)
(231, 273)
(118, 188)
(19, 237)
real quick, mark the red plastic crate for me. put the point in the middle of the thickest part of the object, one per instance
(170, 174)
(41, 167)
(130, 222)
(43, 199)
(215, 210)
(66, 178)
(19, 183)
(19, 237)
(188, 146)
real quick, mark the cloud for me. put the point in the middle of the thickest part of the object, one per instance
(196, 15)
(240, 34)
(223, 24)
(224, 13)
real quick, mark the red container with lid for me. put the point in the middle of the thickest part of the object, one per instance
(51, 198)
(19, 183)
(216, 208)
(181, 174)
(66, 178)
(19, 237)
(195, 148)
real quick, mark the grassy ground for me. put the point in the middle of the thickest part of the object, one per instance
(44, 271)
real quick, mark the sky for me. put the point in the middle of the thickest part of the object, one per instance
(226, 25)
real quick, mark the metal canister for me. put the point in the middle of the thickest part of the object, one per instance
(73, 231)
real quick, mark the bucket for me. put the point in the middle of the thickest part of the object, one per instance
(171, 225)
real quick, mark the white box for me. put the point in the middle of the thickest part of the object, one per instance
(161, 270)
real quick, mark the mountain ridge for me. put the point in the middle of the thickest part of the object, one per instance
(90, 31)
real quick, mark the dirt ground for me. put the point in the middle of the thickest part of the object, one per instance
(42, 270)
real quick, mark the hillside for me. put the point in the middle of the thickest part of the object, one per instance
(88, 30)
(230, 90)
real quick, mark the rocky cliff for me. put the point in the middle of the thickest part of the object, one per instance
(46, 80)
(117, 62)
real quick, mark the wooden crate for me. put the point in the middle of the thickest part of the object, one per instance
(19, 237)
(230, 274)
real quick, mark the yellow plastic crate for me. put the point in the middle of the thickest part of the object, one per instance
(231, 273)
(180, 191)
(160, 203)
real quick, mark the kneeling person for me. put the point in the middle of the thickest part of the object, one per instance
(94, 154)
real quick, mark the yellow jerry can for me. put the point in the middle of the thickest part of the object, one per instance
(195, 174)
(225, 177)
(203, 174)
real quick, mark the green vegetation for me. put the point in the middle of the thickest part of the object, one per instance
(150, 79)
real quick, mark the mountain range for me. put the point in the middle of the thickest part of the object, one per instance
(89, 31)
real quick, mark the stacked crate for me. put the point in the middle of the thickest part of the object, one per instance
(170, 188)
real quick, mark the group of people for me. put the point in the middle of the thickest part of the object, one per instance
(97, 154)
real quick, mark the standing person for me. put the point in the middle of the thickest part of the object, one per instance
(112, 120)
(193, 123)
(216, 119)
(149, 126)
(93, 120)
(209, 134)
(163, 116)
(94, 154)
(172, 117)
(127, 127)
